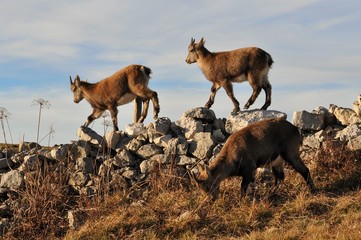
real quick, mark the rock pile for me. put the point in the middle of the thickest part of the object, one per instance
(129, 156)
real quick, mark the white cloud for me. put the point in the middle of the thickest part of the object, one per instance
(48, 41)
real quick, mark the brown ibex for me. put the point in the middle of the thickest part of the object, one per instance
(264, 143)
(121, 88)
(222, 68)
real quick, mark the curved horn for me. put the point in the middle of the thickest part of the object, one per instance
(71, 80)
(193, 40)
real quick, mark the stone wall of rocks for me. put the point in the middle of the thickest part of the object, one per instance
(129, 156)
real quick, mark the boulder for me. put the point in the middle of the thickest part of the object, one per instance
(162, 141)
(134, 144)
(189, 126)
(218, 135)
(13, 180)
(60, 153)
(146, 166)
(5, 163)
(312, 142)
(135, 129)
(357, 106)
(76, 218)
(80, 149)
(308, 121)
(348, 133)
(202, 145)
(85, 164)
(112, 138)
(355, 144)
(124, 159)
(88, 135)
(201, 113)
(162, 125)
(239, 120)
(78, 179)
(185, 160)
(329, 118)
(176, 146)
(149, 150)
(345, 116)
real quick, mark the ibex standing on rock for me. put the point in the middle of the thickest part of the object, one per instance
(265, 143)
(121, 88)
(222, 68)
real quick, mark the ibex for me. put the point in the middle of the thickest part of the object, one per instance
(121, 88)
(224, 68)
(265, 143)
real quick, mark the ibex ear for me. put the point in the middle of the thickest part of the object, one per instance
(77, 81)
(202, 42)
(203, 172)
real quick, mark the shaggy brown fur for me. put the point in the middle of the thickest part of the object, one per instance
(265, 143)
(222, 68)
(121, 88)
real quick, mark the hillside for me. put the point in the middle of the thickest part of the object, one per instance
(136, 184)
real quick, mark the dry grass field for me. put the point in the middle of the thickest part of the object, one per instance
(168, 205)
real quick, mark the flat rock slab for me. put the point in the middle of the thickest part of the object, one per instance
(239, 120)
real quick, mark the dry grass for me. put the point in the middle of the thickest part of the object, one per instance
(168, 205)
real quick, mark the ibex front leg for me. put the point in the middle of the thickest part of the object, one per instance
(95, 114)
(227, 85)
(214, 90)
(114, 115)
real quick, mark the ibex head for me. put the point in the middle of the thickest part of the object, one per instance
(206, 181)
(75, 88)
(193, 49)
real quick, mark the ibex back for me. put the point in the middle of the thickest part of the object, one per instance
(265, 143)
(223, 68)
(121, 88)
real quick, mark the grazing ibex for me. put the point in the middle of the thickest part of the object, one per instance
(223, 68)
(265, 143)
(121, 88)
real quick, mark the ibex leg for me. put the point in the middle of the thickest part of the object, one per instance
(137, 109)
(95, 114)
(214, 90)
(227, 85)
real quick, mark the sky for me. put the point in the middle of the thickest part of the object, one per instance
(315, 45)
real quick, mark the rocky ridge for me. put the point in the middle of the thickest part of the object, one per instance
(128, 157)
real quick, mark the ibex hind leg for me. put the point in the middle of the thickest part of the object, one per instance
(146, 95)
(296, 162)
(268, 90)
(156, 107)
(145, 111)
